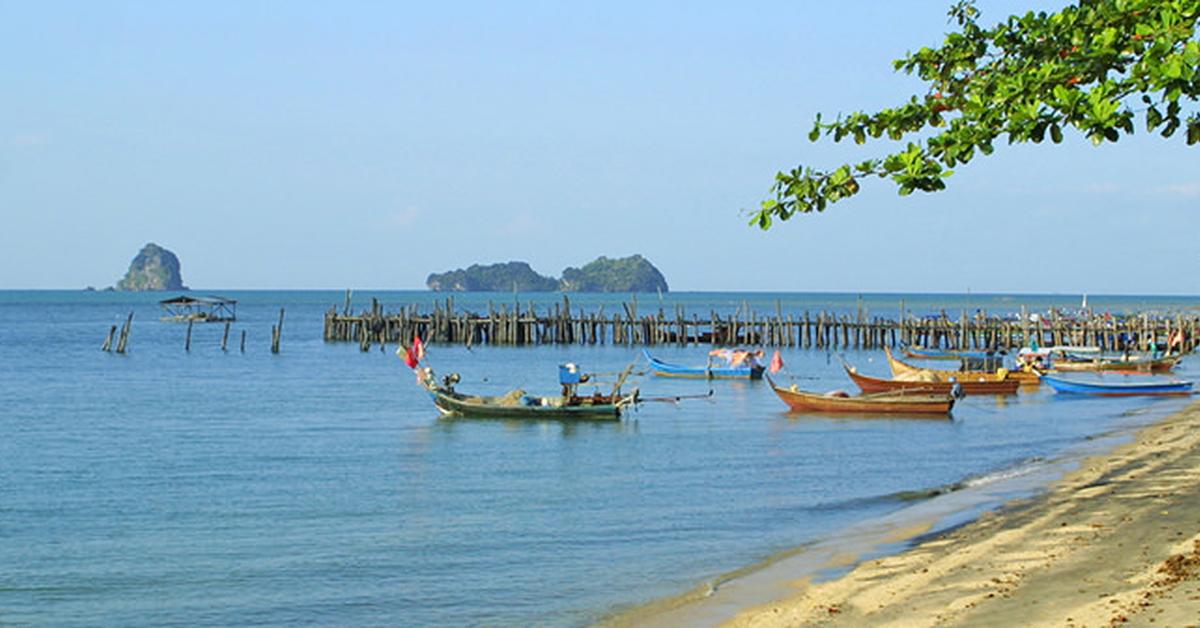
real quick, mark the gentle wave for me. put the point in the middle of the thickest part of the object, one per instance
(1022, 468)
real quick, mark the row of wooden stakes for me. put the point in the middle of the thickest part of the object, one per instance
(122, 337)
(825, 330)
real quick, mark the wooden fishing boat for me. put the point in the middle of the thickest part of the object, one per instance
(969, 383)
(901, 368)
(750, 370)
(922, 353)
(1130, 364)
(519, 405)
(875, 403)
(1118, 389)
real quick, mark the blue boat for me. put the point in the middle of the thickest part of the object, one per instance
(750, 369)
(1117, 389)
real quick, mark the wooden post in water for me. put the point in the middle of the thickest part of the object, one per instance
(243, 341)
(962, 336)
(225, 336)
(1024, 327)
(187, 343)
(123, 340)
(108, 341)
(277, 333)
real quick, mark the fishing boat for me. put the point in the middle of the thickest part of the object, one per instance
(1118, 389)
(874, 403)
(1127, 364)
(922, 353)
(746, 368)
(516, 404)
(901, 368)
(968, 383)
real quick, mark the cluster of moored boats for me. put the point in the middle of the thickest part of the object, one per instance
(983, 373)
(910, 390)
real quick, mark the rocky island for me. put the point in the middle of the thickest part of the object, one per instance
(515, 276)
(627, 274)
(154, 268)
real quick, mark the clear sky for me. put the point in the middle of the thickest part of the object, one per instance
(366, 144)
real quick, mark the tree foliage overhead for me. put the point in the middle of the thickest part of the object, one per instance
(1102, 67)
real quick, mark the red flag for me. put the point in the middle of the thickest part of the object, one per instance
(776, 362)
(409, 357)
(418, 348)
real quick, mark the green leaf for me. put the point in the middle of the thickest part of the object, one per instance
(1039, 132)
(1153, 118)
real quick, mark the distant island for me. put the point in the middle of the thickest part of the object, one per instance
(627, 274)
(154, 268)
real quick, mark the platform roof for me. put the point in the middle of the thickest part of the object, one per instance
(188, 300)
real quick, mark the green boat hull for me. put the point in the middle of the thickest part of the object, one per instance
(527, 407)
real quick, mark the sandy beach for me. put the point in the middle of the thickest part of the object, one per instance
(1116, 542)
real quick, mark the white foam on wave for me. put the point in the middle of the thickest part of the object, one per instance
(1024, 468)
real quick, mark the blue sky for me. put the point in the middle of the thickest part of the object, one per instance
(367, 144)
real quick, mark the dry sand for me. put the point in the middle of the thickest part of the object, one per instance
(1116, 542)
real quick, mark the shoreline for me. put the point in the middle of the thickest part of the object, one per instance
(818, 582)
(1116, 540)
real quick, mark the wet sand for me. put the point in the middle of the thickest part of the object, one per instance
(1115, 542)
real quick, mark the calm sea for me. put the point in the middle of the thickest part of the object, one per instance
(320, 486)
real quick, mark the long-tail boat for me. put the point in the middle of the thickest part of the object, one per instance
(901, 368)
(1118, 389)
(1127, 364)
(517, 404)
(876, 403)
(968, 383)
(748, 369)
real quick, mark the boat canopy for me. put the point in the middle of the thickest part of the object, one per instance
(737, 357)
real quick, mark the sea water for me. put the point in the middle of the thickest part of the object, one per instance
(320, 485)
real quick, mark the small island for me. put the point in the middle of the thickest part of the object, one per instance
(627, 274)
(154, 268)
(516, 276)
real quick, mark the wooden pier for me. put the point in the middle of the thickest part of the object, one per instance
(510, 324)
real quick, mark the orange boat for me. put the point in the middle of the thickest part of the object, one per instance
(1132, 364)
(901, 368)
(877, 403)
(970, 384)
